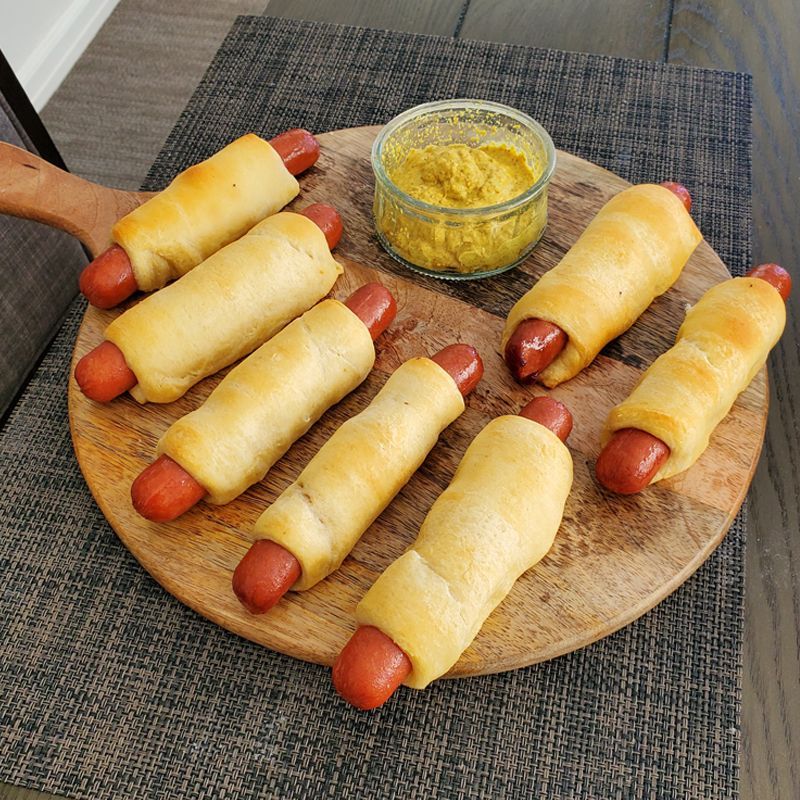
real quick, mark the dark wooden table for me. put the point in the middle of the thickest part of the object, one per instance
(761, 37)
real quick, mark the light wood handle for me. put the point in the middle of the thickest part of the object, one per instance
(32, 188)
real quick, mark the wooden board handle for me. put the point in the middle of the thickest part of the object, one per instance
(32, 188)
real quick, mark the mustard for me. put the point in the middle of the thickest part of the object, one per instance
(457, 176)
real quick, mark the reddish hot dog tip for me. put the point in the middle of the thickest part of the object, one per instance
(464, 365)
(297, 148)
(375, 306)
(553, 415)
(102, 374)
(369, 668)
(681, 192)
(327, 219)
(776, 276)
(264, 575)
(165, 490)
(630, 460)
(109, 279)
(632, 457)
(532, 347)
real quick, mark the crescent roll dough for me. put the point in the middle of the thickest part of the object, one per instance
(684, 394)
(270, 400)
(358, 471)
(631, 252)
(224, 308)
(497, 519)
(204, 208)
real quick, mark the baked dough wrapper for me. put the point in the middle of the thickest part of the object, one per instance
(498, 518)
(270, 400)
(631, 252)
(224, 308)
(359, 470)
(686, 392)
(204, 208)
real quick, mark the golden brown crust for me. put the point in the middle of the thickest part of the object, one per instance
(206, 207)
(631, 252)
(270, 400)
(358, 471)
(497, 518)
(686, 392)
(224, 308)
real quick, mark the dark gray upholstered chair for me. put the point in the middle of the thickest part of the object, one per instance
(39, 266)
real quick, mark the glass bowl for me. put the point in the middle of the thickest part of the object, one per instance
(461, 243)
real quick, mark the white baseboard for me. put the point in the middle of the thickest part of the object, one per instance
(60, 47)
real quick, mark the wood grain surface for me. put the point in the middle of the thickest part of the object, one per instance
(762, 38)
(614, 557)
(629, 28)
(415, 16)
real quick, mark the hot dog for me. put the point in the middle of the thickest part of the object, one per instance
(102, 374)
(535, 343)
(776, 276)
(555, 416)
(110, 279)
(375, 306)
(327, 219)
(681, 191)
(262, 577)
(532, 348)
(165, 490)
(298, 149)
(632, 457)
(371, 666)
(628, 463)
(463, 364)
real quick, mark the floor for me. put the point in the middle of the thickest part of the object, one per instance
(104, 119)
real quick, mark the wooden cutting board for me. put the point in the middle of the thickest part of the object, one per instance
(614, 557)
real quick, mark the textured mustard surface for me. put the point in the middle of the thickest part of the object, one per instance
(455, 178)
(459, 176)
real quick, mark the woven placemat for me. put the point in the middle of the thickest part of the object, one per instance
(111, 688)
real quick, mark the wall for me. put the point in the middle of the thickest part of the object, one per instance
(42, 39)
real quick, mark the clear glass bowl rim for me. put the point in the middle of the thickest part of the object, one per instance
(463, 103)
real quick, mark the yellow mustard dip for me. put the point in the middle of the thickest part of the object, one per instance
(457, 176)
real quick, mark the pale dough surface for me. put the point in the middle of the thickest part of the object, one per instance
(498, 518)
(358, 471)
(684, 394)
(631, 252)
(204, 208)
(224, 308)
(270, 400)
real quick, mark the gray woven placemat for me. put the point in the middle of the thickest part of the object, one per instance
(111, 688)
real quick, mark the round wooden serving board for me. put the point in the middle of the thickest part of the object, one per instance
(614, 557)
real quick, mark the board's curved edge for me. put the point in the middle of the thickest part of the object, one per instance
(233, 625)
